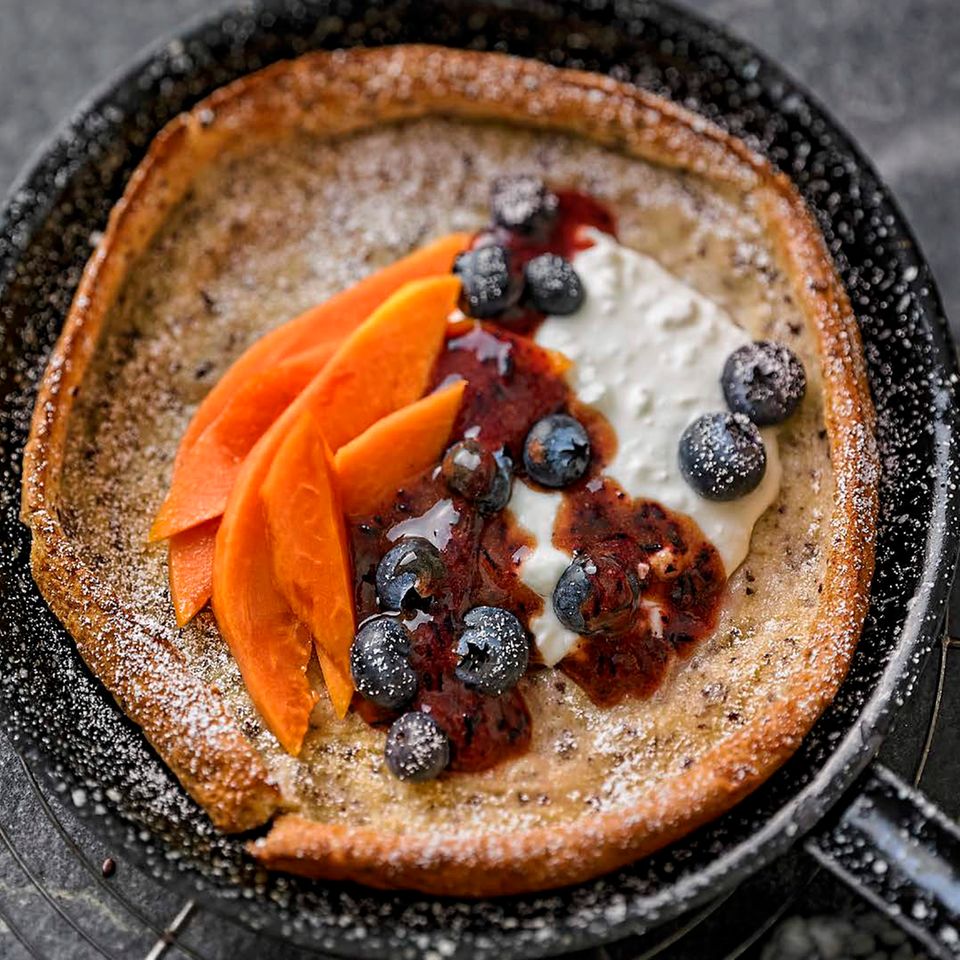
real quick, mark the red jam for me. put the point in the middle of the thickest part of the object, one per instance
(512, 383)
(681, 578)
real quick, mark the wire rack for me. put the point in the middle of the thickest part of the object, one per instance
(61, 896)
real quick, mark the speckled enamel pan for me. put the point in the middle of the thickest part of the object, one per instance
(849, 814)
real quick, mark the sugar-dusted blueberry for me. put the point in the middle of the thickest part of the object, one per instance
(380, 662)
(764, 381)
(493, 650)
(552, 285)
(596, 594)
(722, 456)
(523, 204)
(489, 285)
(417, 748)
(409, 574)
(479, 475)
(556, 452)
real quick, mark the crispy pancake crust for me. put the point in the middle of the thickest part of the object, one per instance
(187, 720)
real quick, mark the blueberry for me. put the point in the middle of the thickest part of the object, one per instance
(552, 285)
(409, 574)
(722, 456)
(523, 204)
(493, 651)
(468, 469)
(380, 663)
(556, 452)
(417, 749)
(479, 475)
(765, 381)
(596, 595)
(499, 494)
(489, 286)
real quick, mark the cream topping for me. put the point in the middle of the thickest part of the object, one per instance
(647, 352)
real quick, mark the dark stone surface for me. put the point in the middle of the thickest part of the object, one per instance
(889, 70)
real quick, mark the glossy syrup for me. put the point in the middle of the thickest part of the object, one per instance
(512, 383)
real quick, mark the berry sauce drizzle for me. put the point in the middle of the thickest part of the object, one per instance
(511, 384)
(681, 578)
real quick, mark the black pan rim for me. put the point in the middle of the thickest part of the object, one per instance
(833, 779)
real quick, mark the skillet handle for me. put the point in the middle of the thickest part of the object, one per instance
(897, 850)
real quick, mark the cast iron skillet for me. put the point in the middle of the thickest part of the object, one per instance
(71, 728)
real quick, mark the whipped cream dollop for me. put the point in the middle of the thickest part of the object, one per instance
(647, 351)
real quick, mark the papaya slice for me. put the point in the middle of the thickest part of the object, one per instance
(206, 471)
(358, 386)
(331, 320)
(338, 680)
(271, 646)
(385, 364)
(373, 466)
(190, 566)
(311, 553)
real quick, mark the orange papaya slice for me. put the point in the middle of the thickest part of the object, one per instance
(190, 566)
(373, 466)
(311, 553)
(385, 364)
(271, 646)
